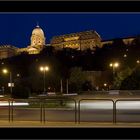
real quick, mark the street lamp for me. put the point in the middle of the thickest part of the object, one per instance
(138, 61)
(105, 84)
(44, 69)
(5, 71)
(114, 65)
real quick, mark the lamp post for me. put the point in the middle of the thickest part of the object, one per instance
(44, 69)
(5, 71)
(114, 66)
(105, 85)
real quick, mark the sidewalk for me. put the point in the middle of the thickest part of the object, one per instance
(34, 124)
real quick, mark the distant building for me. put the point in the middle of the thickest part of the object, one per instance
(127, 41)
(7, 51)
(80, 41)
(36, 45)
(37, 42)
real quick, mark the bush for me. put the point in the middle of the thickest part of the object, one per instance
(132, 82)
(20, 92)
(87, 86)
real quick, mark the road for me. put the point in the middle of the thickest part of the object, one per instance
(90, 112)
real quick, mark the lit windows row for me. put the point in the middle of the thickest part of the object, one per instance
(33, 52)
(72, 45)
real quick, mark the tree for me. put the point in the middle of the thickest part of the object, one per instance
(87, 86)
(123, 74)
(132, 82)
(77, 79)
(20, 92)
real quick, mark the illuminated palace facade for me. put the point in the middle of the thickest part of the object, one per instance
(7, 51)
(37, 43)
(80, 41)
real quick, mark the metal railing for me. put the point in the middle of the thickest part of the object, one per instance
(79, 109)
(120, 100)
(12, 106)
(42, 107)
(6, 106)
(65, 99)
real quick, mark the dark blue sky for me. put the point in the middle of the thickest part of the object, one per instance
(15, 29)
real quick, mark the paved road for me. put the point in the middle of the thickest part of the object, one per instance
(97, 111)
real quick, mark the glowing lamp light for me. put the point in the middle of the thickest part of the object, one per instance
(5, 71)
(138, 61)
(116, 64)
(105, 84)
(111, 65)
(125, 55)
(18, 75)
(41, 68)
(46, 68)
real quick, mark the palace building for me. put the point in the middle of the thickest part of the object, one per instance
(80, 41)
(7, 51)
(126, 41)
(37, 42)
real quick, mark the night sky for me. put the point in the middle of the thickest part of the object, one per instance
(15, 29)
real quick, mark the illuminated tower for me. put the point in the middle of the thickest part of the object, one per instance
(37, 41)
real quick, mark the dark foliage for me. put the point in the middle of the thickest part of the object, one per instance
(20, 92)
(62, 61)
(132, 82)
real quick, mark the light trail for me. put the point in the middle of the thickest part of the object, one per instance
(6, 103)
(121, 105)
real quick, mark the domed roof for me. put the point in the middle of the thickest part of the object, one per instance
(38, 31)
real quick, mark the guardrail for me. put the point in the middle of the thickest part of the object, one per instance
(65, 99)
(42, 102)
(6, 104)
(79, 110)
(115, 104)
(77, 107)
(12, 106)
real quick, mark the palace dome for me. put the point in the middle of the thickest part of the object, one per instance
(38, 31)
